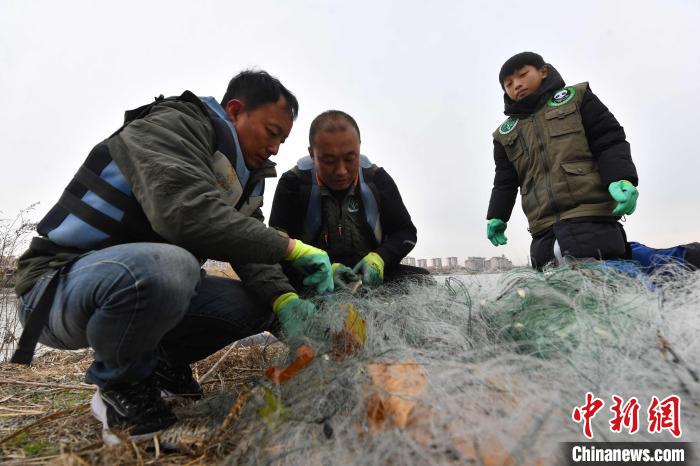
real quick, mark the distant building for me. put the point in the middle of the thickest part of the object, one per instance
(409, 261)
(475, 264)
(436, 262)
(423, 263)
(452, 262)
(499, 264)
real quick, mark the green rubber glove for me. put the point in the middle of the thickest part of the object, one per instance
(314, 264)
(371, 268)
(293, 314)
(495, 229)
(626, 196)
(343, 275)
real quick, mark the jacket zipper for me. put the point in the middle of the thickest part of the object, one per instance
(523, 143)
(547, 173)
(340, 220)
(340, 216)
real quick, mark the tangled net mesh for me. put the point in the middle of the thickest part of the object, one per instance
(482, 369)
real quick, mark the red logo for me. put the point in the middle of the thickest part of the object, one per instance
(587, 412)
(626, 416)
(661, 415)
(665, 415)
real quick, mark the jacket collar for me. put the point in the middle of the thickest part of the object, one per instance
(535, 101)
(241, 170)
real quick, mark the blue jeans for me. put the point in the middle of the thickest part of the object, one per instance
(134, 303)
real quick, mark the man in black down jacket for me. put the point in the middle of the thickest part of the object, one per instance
(338, 200)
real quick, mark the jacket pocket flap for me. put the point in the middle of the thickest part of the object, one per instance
(560, 112)
(579, 167)
(509, 139)
(513, 146)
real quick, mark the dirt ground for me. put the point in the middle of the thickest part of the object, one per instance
(45, 412)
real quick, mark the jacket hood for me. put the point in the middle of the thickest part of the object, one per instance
(534, 101)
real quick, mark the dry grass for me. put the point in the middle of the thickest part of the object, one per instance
(14, 236)
(45, 415)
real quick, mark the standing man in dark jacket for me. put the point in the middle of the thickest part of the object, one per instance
(569, 156)
(336, 199)
(116, 267)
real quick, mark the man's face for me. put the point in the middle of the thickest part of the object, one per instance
(524, 81)
(260, 131)
(336, 157)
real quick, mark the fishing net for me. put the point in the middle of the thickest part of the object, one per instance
(480, 369)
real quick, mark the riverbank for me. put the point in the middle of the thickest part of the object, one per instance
(45, 415)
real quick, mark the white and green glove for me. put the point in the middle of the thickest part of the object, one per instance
(371, 269)
(293, 314)
(314, 264)
(343, 275)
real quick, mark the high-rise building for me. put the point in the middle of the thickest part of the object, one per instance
(436, 262)
(499, 264)
(423, 263)
(409, 261)
(475, 264)
(452, 262)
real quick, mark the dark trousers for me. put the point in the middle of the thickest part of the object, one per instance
(134, 303)
(589, 237)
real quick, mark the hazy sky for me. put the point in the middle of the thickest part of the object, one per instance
(420, 77)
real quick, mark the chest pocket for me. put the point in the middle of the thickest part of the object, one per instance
(585, 185)
(513, 145)
(563, 120)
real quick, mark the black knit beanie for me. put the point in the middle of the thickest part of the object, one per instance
(516, 62)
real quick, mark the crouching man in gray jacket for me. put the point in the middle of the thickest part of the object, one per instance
(116, 265)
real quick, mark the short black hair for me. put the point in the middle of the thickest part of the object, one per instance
(256, 88)
(516, 62)
(331, 121)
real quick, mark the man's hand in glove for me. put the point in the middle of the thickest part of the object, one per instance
(314, 264)
(626, 196)
(371, 269)
(293, 314)
(343, 275)
(495, 231)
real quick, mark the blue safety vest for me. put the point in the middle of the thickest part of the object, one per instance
(98, 209)
(313, 221)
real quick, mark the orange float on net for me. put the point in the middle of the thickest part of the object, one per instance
(305, 354)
